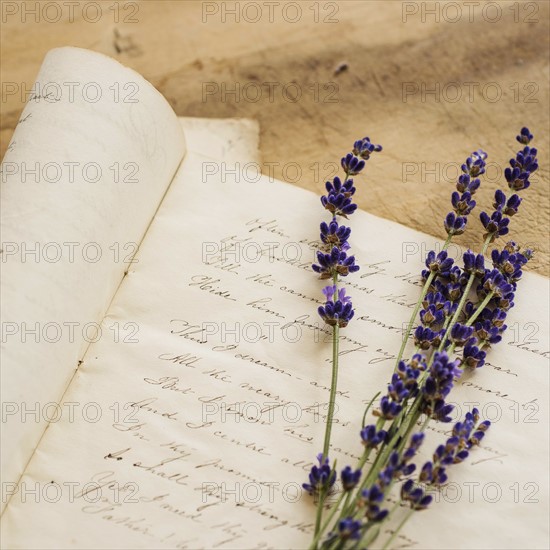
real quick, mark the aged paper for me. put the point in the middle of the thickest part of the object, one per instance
(200, 434)
(92, 156)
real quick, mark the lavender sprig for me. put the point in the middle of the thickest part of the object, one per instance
(449, 319)
(335, 262)
(455, 224)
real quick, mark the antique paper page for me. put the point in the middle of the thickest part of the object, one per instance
(200, 434)
(93, 153)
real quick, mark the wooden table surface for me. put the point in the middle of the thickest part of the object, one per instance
(430, 81)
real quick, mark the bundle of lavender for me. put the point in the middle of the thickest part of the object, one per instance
(462, 312)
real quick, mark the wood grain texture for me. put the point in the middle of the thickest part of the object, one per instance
(497, 64)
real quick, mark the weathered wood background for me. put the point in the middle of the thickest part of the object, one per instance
(430, 81)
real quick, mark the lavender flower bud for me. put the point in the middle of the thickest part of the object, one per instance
(352, 165)
(455, 225)
(524, 136)
(321, 477)
(371, 438)
(474, 264)
(475, 164)
(486, 333)
(389, 409)
(363, 148)
(438, 385)
(440, 264)
(335, 235)
(462, 204)
(415, 496)
(349, 529)
(335, 263)
(460, 334)
(370, 499)
(508, 206)
(496, 225)
(350, 478)
(338, 309)
(472, 356)
(425, 338)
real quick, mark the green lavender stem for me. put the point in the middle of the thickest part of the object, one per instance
(399, 527)
(330, 415)
(327, 522)
(333, 385)
(330, 412)
(319, 513)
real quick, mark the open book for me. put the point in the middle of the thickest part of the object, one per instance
(165, 375)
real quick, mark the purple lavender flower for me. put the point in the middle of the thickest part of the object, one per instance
(349, 529)
(425, 338)
(363, 148)
(496, 225)
(372, 438)
(338, 204)
(521, 169)
(466, 183)
(338, 199)
(494, 281)
(461, 199)
(337, 187)
(449, 286)
(350, 478)
(398, 390)
(371, 499)
(403, 384)
(510, 260)
(398, 466)
(496, 316)
(508, 206)
(415, 495)
(460, 334)
(335, 263)
(462, 204)
(389, 408)
(438, 385)
(321, 477)
(408, 373)
(335, 235)
(440, 263)
(486, 333)
(439, 301)
(352, 165)
(525, 136)
(517, 176)
(336, 311)
(472, 356)
(405, 467)
(434, 298)
(464, 436)
(442, 373)
(455, 225)
(432, 475)
(454, 292)
(475, 164)
(457, 275)
(431, 316)
(474, 263)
